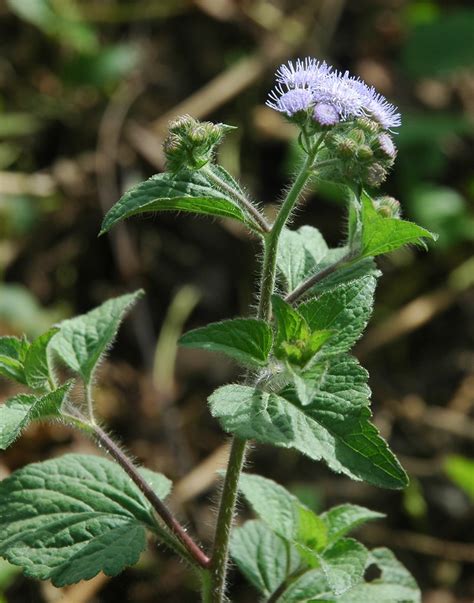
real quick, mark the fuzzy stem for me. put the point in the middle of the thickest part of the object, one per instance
(271, 244)
(161, 509)
(89, 401)
(225, 517)
(241, 199)
(310, 282)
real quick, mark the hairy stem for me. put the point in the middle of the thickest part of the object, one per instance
(225, 517)
(310, 282)
(271, 244)
(158, 505)
(226, 513)
(241, 199)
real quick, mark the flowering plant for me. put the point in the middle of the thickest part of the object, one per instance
(66, 519)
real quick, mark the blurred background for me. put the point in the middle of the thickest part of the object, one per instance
(87, 89)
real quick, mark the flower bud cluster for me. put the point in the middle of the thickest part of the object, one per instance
(191, 143)
(362, 150)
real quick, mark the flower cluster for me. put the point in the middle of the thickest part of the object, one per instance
(309, 87)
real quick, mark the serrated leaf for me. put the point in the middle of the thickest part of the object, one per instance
(395, 584)
(341, 435)
(344, 310)
(18, 412)
(262, 556)
(344, 518)
(67, 519)
(247, 340)
(299, 253)
(82, 341)
(190, 192)
(344, 564)
(37, 370)
(282, 511)
(310, 584)
(381, 235)
(12, 357)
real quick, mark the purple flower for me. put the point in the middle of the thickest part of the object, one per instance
(303, 74)
(290, 102)
(383, 112)
(334, 96)
(325, 114)
(336, 89)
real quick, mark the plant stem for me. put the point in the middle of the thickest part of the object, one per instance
(226, 513)
(306, 285)
(271, 244)
(90, 402)
(241, 199)
(225, 517)
(158, 505)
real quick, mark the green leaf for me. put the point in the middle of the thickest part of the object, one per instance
(185, 191)
(283, 512)
(82, 341)
(299, 253)
(381, 235)
(310, 584)
(344, 518)
(294, 340)
(335, 428)
(262, 556)
(344, 564)
(395, 583)
(247, 340)
(18, 412)
(461, 470)
(12, 358)
(37, 370)
(67, 519)
(344, 310)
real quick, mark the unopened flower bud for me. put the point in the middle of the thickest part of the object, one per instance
(364, 152)
(357, 135)
(367, 125)
(347, 148)
(388, 207)
(387, 146)
(191, 143)
(375, 174)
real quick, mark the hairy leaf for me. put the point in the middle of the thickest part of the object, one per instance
(381, 235)
(247, 340)
(262, 556)
(344, 518)
(12, 358)
(395, 583)
(67, 519)
(344, 310)
(37, 369)
(310, 584)
(342, 435)
(82, 341)
(185, 191)
(18, 412)
(299, 254)
(283, 512)
(344, 564)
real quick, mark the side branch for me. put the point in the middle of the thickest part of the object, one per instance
(310, 282)
(158, 505)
